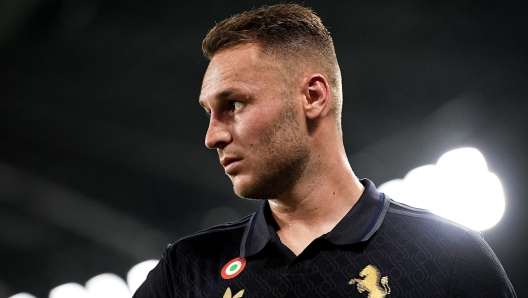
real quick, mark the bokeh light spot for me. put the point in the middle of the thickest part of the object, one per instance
(459, 187)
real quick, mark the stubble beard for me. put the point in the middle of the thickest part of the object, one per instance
(286, 155)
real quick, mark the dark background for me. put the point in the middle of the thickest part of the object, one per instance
(102, 159)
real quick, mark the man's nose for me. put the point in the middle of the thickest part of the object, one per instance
(217, 136)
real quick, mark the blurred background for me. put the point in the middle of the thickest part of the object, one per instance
(102, 157)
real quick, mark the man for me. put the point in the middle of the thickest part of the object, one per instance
(273, 94)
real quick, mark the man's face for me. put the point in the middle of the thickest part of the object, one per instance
(254, 122)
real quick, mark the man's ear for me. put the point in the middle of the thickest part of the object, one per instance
(317, 93)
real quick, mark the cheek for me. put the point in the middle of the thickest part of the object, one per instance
(252, 134)
(252, 127)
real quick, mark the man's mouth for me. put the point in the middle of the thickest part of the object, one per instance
(229, 163)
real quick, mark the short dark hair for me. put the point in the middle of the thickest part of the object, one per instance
(288, 31)
(277, 27)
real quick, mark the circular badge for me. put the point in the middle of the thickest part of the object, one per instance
(233, 268)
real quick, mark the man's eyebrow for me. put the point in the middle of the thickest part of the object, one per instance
(222, 95)
(227, 93)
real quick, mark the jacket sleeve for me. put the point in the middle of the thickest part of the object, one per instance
(477, 272)
(159, 281)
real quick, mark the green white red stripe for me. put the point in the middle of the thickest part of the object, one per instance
(233, 268)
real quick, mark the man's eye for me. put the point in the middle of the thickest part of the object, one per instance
(236, 105)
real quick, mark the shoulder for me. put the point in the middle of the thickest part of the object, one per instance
(202, 253)
(223, 237)
(402, 215)
(419, 231)
(475, 271)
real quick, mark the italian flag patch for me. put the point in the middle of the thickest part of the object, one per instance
(233, 268)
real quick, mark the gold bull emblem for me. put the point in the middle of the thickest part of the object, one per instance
(372, 282)
(228, 294)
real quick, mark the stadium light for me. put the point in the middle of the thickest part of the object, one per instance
(107, 285)
(459, 187)
(137, 274)
(69, 290)
(23, 295)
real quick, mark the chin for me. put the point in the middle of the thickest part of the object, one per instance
(244, 188)
(255, 190)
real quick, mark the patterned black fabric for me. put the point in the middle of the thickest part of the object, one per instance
(380, 249)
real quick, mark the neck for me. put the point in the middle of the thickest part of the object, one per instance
(317, 203)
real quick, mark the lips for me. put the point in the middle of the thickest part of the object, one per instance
(230, 163)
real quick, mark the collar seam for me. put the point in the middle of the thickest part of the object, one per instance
(375, 218)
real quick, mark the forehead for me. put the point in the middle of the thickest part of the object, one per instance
(242, 68)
